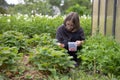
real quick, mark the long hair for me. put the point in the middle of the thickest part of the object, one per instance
(74, 17)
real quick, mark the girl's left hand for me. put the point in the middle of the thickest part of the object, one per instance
(79, 43)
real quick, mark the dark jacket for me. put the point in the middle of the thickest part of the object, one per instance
(64, 36)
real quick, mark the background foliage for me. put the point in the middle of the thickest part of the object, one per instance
(44, 7)
(37, 24)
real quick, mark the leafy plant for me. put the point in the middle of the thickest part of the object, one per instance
(9, 59)
(13, 39)
(48, 57)
(101, 54)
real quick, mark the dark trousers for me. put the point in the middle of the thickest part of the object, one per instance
(74, 55)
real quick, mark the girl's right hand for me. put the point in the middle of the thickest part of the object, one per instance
(61, 45)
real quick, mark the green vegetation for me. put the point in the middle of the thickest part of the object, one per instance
(38, 24)
(101, 54)
(28, 51)
(45, 7)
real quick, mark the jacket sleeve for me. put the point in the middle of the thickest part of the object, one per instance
(59, 36)
(60, 39)
(82, 34)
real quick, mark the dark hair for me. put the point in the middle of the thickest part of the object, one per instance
(74, 17)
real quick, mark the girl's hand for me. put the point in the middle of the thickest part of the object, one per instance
(61, 45)
(79, 43)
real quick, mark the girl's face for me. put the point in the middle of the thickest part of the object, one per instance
(69, 26)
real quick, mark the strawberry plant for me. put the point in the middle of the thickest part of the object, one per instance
(48, 57)
(101, 54)
(9, 59)
(13, 39)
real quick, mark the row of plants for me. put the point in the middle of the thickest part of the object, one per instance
(39, 57)
(43, 55)
(37, 24)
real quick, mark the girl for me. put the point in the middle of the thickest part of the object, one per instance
(71, 31)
